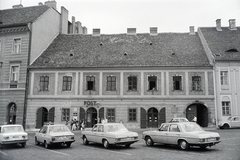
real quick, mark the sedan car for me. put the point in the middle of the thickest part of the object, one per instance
(109, 134)
(54, 134)
(183, 134)
(231, 122)
(12, 134)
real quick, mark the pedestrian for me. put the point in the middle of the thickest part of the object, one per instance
(194, 119)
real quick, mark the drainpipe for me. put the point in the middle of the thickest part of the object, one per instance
(215, 96)
(27, 75)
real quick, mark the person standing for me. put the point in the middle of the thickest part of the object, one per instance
(194, 119)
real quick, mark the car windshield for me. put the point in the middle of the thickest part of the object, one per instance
(116, 128)
(58, 129)
(191, 127)
(229, 118)
(11, 129)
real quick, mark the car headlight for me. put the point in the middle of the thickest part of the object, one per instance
(6, 138)
(203, 140)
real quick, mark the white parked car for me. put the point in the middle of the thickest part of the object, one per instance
(12, 134)
(109, 134)
(231, 122)
(54, 134)
(183, 134)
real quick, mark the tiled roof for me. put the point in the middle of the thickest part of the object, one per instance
(122, 50)
(225, 44)
(20, 16)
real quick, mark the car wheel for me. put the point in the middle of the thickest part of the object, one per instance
(46, 145)
(36, 141)
(1, 146)
(226, 126)
(127, 145)
(149, 141)
(183, 145)
(105, 143)
(23, 144)
(68, 144)
(85, 141)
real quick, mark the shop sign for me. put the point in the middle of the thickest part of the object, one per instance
(90, 103)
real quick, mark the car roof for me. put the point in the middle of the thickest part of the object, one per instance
(108, 123)
(6, 125)
(179, 123)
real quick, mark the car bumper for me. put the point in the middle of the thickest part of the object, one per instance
(14, 141)
(206, 143)
(125, 142)
(61, 142)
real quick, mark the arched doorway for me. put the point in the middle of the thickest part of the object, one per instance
(11, 116)
(152, 117)
(42, 117)
(162, 116)
(91, 117)
(200, 111)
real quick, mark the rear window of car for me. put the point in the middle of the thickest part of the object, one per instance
(11, 129)
(58, 129)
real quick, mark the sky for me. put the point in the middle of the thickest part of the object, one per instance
(115, 16)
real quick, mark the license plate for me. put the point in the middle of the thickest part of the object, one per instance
(212, 139)
(15, 136)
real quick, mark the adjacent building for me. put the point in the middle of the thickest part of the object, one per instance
(221, 45)
(140, 80)
(25, 32)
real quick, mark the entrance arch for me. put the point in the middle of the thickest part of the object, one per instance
(42, 117)
(11, 116)
(200, 111)
(152, 117)
(91, 117)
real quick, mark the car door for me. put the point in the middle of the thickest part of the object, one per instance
(99, 134)
(42, 134)
(173, 134)
(91, 135)
(235, 122)
(160, 136)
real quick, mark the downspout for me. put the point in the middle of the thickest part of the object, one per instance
(27, 75)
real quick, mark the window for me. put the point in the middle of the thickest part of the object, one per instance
(111, 115)
(17, 45)
(224, 77)
(44, 82)
(196, 83)
(174, 128)
(111, 83)
(65, 114)
(67, 83)
(132, 83)
(14, 73)
(226, 109)
(132, 115)
(91, 83)
(177, 83)
(152, 83)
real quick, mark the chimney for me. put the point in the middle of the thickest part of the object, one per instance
(79, 27)
(153, 31)
(40, 3)
(131, 31)
(96, 32)
(191, 29)
(51, 3)
(218, 25)
(84, 30)
(232, 24)
(17, 6)
(64, 20)
(73, 25)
